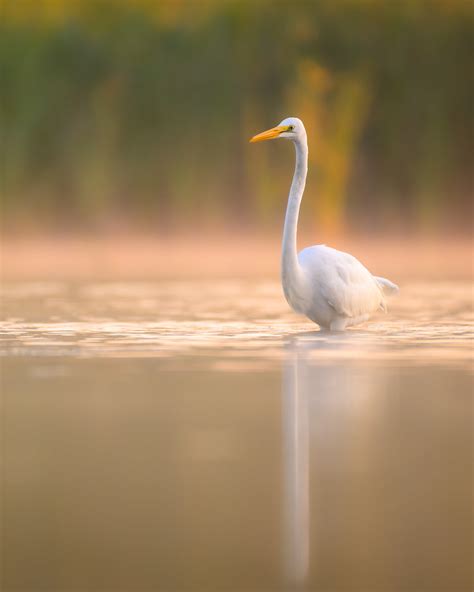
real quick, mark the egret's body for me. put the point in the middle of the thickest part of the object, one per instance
(330, 287)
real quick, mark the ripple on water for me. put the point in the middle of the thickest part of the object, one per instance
(427, 323)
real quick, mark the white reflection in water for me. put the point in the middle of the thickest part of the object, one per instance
(343, 431)
(302, 380)
(296, 466)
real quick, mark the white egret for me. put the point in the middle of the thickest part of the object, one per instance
(330, 287)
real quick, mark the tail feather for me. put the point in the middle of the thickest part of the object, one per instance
(388, 287)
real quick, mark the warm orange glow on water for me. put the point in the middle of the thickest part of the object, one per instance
(229, 256)
(191, 433)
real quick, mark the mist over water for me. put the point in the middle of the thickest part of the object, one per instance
(197, 435)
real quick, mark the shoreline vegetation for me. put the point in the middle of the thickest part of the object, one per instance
(142, 111)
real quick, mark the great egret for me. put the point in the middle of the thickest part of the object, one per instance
(330, 287)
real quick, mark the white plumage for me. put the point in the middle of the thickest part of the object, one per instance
(330, 287)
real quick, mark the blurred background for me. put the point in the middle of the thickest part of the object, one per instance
(133, 116)
(167, 422)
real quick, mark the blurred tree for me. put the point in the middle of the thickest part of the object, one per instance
(141, 110)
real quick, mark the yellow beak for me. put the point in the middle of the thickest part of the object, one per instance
(269, 134)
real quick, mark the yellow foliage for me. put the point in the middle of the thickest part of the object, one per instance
(333, 132)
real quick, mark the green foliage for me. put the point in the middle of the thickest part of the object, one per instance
(114, 112)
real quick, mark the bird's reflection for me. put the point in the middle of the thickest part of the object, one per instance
(303, 376)
(296, 428)
(296, 464)
(362, 482)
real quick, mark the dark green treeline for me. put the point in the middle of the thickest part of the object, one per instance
(138, 113)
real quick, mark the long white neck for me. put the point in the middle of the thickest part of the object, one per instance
(291, 273)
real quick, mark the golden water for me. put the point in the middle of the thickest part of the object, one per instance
(199, 436)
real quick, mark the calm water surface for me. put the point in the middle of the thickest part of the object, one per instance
(199, 436)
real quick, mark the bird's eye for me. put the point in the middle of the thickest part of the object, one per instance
(291, 128)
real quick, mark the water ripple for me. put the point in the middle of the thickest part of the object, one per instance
(428, 323)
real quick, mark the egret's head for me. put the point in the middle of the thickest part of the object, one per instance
(290, 128)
